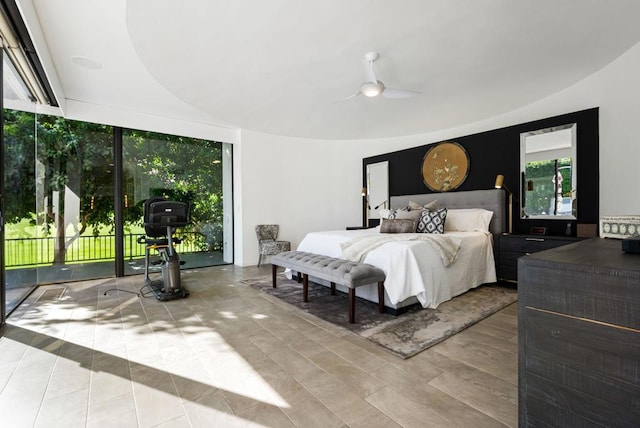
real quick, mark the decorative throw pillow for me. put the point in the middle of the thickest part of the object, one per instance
(397, 226)
(384, 213)
(432, 221)
(431, 206)
(406, 214)
(394, 213)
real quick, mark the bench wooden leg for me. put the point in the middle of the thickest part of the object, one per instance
(333, 288)
(381, 297)
(305, 287)
(352, 305)
(274, 268)
(298, 277)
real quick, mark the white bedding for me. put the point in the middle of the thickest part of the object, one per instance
(415, 267)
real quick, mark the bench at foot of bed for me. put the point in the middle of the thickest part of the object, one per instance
(336, 271)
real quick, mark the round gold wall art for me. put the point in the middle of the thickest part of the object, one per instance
(445, 166)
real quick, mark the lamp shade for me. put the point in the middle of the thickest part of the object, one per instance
(500, 185)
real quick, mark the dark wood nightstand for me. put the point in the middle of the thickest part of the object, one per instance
(512, 247)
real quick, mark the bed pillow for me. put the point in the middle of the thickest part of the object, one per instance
(468, 220)
(392, 225)
(431, 206)
(405, 214)
(384, 213)
(432, 221)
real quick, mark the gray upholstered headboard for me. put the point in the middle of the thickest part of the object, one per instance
(493, 199)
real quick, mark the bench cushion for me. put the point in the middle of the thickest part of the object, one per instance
(340, 271)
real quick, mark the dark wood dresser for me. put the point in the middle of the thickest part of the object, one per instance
(512, 247)
(579, 336)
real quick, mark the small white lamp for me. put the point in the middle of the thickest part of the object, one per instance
(372, 89)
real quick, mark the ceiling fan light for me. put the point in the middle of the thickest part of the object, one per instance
(371, 89)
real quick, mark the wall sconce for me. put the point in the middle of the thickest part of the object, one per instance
(500, 185)
(383, 205)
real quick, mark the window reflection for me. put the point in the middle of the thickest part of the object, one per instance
(548, 164)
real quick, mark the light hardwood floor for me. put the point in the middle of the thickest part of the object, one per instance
(230, 356)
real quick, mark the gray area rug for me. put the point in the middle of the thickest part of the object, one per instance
(404, 335)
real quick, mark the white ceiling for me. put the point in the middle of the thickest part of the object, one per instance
(279, 66)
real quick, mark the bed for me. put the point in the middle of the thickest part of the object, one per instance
(419, 269)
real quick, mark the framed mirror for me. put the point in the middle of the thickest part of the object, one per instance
(377, 188)
(548, 166)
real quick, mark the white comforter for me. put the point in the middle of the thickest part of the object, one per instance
(415, 267)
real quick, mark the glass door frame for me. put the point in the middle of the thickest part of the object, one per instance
(3, 286)
(118, 201)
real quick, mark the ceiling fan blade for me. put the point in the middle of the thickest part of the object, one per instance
(398, 93)
(372, 87)
(347, 98)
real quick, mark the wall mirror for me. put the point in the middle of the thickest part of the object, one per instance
(377, 188)
(548, 169)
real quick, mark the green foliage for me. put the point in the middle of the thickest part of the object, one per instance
(53, 160)
(77, 156)
(179, 168)
(541, 173)
(19, 163)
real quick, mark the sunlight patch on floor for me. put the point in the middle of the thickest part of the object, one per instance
(259, 316)
(228, 315)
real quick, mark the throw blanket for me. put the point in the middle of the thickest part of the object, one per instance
(447, 246)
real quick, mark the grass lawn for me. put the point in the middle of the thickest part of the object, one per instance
(27, 245)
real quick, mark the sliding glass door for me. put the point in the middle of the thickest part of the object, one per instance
(58, 177)
(18, 189)
(188, 170)
(74, 187)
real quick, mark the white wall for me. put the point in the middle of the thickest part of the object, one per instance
(302, 185)
(308, 185)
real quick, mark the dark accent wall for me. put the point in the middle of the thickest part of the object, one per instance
(498, 152)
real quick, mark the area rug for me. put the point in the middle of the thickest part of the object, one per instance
(403, 335)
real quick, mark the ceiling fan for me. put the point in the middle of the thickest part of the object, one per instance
(374, 87)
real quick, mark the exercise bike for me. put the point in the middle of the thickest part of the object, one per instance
(161, 218)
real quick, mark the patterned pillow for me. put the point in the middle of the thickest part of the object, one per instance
(397, 226)
(400, 211)
(432, 221)
(406, 214)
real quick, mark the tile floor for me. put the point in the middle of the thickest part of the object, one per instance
(229, 356)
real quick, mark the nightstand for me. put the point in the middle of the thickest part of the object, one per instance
(512, 247)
